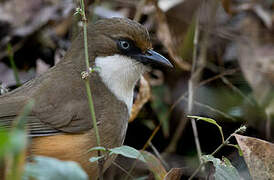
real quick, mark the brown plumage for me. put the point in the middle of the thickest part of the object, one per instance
(60, 124)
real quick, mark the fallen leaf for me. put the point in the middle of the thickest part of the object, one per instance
(258, 155)
(142, 98)
(164, 34)
(174, 174)
(154, 165)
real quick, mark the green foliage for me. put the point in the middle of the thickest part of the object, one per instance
(209, 120)
(96, 158)
(13, 147)
(126, 151)
(15, 140)
(12, 142)
(238, 148)
(98, 148)
(46, 168)
(223, 169)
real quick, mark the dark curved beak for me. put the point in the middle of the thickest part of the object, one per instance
(153, 59)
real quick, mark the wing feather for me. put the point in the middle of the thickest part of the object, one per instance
(9, 109)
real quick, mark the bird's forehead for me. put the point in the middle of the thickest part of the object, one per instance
(125, 28)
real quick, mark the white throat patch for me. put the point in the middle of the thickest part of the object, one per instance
(120, 74)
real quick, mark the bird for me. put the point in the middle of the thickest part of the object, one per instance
(59, 124)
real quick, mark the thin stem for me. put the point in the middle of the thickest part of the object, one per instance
(91, 105)
(214, 152)
(92, 111)
(84, 19)
(13, 66)
(191, 84)
(213, 109)
(196, 171)
(158, 155)
(237, 90)
(228, 72)
(222, 145)
(87, 84)
(120, 167)
(144, 147)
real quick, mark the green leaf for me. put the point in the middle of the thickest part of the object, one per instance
(15, 140)
(4, 142)
(223, 169)
(237, 147)
(209, 120)
(127, 151)
(46, 168)
(98, 148)
(20, 121)
(96, 158)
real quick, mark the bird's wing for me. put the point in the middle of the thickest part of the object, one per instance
(10, 108)
(48, 120)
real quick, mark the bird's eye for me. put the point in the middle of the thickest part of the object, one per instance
(124, 45)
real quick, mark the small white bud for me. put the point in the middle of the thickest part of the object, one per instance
(84, 75)
(241, 129)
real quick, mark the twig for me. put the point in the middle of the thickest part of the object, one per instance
(171, 148)
(196, 171)
(191, 84)
(197, 71)
(179, 130)
(212, 154)
(228, 72)
(224, 143)
(87, 84)
(120, 167)
(144, 147)
(213, 110)
(158, 155)
(234, 88)
(167, 41)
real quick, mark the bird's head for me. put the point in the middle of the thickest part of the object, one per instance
(122, 50)
(128, 39)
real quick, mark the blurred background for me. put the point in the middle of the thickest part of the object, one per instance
(222, 50)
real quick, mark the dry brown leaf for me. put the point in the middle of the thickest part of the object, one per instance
(164, 34)
(174, 174)
(256, 59)
(258, 155)
(26, 16)
(154, 165)
(226, 5)
(142, 97)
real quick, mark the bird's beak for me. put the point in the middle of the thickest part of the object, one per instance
(153, 58)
